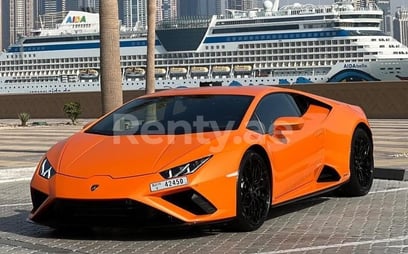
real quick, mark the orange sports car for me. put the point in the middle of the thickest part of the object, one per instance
(203, 155)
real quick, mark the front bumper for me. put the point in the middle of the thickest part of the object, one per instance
(102, 200)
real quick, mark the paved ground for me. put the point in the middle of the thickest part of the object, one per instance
(376, 223)
(24, 146)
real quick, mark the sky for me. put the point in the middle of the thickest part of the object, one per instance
(394, 3)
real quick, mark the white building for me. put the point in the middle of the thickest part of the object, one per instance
(401, 26)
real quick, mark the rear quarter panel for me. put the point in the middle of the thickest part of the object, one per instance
(339, 128)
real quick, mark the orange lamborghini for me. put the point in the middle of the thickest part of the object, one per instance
(203, 155)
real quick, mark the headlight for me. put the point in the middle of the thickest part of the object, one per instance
(46, 170)
(184, 169)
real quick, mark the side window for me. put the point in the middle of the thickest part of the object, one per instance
(302, 102)
(274, 106)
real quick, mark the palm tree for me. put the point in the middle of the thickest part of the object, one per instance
(151, 39)
(111, 80)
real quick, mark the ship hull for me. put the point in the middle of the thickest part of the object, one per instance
(339, 73)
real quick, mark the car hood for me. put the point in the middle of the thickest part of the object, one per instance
(85, 155)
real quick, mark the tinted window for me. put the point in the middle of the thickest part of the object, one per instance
(272, 107)
(175, 115)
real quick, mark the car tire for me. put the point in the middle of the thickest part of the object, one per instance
(361, 165)
(253, 192)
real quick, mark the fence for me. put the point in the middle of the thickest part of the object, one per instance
(378, 99)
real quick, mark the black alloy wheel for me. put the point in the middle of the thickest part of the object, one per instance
(253, 192)
(361, 165)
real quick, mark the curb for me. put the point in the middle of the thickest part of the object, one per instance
(398, 174)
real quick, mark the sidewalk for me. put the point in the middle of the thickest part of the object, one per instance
(390, 148)
(23, 147)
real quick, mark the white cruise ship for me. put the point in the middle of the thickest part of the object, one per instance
(294, 44)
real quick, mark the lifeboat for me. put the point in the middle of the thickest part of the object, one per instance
(197, 70)
(221, 69)
(88, 74)
(160, 71)
(242, 68)
(134, 72)
(178, 70)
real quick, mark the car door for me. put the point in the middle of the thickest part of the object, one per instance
(295, 153)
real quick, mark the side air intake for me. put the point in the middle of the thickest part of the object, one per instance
(328, 174)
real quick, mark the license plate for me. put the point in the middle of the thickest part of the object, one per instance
(166, 184)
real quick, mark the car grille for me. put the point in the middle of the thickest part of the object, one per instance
(116, 212)
(122, 212)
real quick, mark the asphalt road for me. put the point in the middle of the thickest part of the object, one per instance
(375, 223)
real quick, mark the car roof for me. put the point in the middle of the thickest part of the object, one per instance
(230, 90)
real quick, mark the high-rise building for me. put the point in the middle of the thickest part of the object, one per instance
(187, 8)
(201, 8)
(166, 9)
(207, 8)
(128, 13)
(141, 13)
(89, 5)
(243, 4)
(401, 26)
(73, 5)
(236, 4)
(49, 6)
(220, 6)
(386, 24)
(46, 9)
(4, 24)
(21, 18)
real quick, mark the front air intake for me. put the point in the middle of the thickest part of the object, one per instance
(191, 201)
(37, 198)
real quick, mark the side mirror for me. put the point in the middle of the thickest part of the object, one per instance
(287, 123)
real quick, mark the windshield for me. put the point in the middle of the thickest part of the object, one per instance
(175, 115)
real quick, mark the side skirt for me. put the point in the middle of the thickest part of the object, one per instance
(314, 194)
